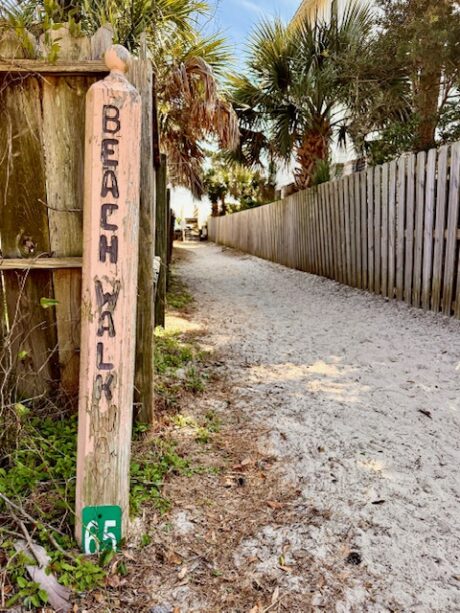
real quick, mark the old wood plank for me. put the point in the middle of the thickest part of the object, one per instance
(439, 232)
(24, 230)
(400, 226)
(430, 196)
(358, 238)
(58, 68)
(364, 213)
(392, 229)
(161, 229)
(141, 76)
(347, 224)
(40, 263)
(352, 225)
(378, 229)
(384, 235)
(63, 105)
(410, 210)
(335, 230)
(329, 229)
(418, 228)
(321, 233)
(342, 228)
(110, 273)
(370, 228)
(452, 224)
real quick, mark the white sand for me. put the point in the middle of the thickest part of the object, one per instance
(339, 377)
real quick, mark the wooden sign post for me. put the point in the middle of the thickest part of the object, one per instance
(110, 262)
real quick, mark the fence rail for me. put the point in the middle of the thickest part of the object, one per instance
(392, 230)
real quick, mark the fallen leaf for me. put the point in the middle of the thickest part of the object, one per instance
(113, 581)
(275, 595)
(275, 505)
(287, 569)
(173, 558)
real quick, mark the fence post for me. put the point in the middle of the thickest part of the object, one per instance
(161, 240)
(141, 75)
(110, 266)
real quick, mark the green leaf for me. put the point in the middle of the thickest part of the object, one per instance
(43, 595)
(21, 409)
(47, 303)
(21, 581)
(23, 354)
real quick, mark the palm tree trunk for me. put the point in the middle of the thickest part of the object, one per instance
(427, 91)
(313, 148)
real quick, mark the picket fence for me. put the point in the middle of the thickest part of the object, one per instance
(392, 230)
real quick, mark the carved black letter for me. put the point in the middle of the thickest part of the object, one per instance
(100, 386)
(107, 149)
(107, 298)
(106, 210)
(107, 326)
(105, 248)
(109, 184)
(111, 117)
(101, 365)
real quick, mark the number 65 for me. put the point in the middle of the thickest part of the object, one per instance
(92, 542)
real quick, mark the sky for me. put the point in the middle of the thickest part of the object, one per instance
(234, 19)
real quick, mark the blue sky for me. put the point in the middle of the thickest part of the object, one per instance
(236, 18)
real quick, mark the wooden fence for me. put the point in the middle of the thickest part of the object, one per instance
(392, 230)
(42, 106)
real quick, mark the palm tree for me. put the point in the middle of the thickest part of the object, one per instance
(289, 102)
(192, 107)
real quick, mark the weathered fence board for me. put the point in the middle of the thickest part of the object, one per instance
(440, 209)
(392, 229)
(400, 227)
(418, 229)
(452, 223)
(370, 228)
(430, 194)
(42, 135)
(410, 199)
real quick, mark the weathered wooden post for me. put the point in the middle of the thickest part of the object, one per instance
(110, 265)
(161, 239)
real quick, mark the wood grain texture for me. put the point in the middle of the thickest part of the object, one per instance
(59, 68)
(428, 232)
(418, 228)
(392, 230)
(400, 226)
(410, 208)
(109, 289)
(452, 224)
(24, 230)
(141, 76)
(440, 225)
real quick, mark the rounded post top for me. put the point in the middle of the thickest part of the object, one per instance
(117, 59)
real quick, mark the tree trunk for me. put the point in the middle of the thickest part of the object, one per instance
(427, 89)
(214, 209)
(223, 206)
(313, 148)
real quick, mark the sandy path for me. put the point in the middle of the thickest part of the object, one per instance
(341, 378)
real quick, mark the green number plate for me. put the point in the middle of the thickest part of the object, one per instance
(101, 528)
